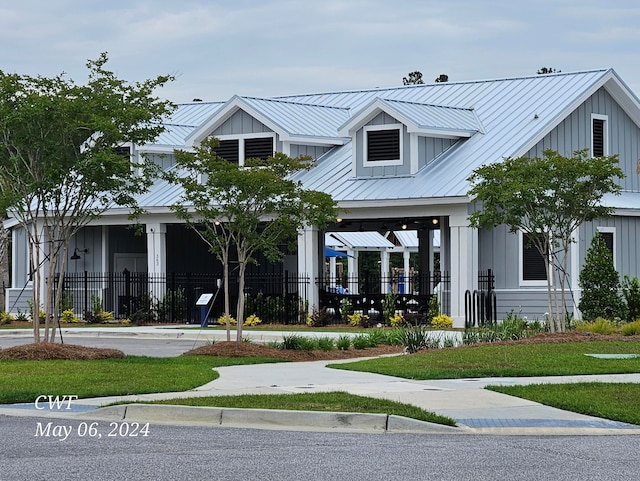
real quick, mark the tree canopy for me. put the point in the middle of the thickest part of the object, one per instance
(256, 207)
(413, 78)
(62, 163)
(546, 198)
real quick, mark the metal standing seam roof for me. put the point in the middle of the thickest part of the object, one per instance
(507, 117)
(507, 109)
(299, 119)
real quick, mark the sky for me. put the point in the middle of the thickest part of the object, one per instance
(220, 48)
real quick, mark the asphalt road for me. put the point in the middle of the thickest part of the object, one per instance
(205, 453)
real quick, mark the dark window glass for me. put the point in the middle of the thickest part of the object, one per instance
(260, 148)
(608, 240)
(383, 145)
(533, 264)
(229, 150)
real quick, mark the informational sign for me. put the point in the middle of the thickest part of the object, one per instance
(204, 299)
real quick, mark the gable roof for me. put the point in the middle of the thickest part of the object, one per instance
(427, 119)
(302, 122)
(499, 118)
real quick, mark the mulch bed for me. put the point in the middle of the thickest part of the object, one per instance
(48, 350)
(44, 351)
(246, 349)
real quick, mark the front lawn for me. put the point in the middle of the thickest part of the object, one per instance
(506, 360)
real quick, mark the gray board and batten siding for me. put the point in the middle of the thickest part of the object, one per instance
(498, 248)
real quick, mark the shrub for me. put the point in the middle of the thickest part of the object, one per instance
(396, 320)
(598, 326)
(442, 321)
(357, 319)
(68, 316)
(389, 306)
(299, 343)
(378, 337)
(631, 329)
(600, 282)
(319, 318)
(326, 343)
(6, 318)
(433, 308)
(631, 293)
(361, 341)
(346, 309)
(343, 342)
(252, 320)
(222, 320)
(413, 339)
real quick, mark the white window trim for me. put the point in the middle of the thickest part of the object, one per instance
(605, 132)
(522, 281)
(242, 137)
(611, 230)
(381, 163)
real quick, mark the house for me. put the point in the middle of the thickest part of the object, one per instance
(394, 159)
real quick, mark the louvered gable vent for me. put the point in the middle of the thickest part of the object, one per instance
(383, 145)
(229, 150)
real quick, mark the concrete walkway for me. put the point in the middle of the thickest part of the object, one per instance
(475, 409)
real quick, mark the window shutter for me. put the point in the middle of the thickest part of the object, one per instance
(383, 145)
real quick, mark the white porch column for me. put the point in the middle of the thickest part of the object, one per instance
(309, 263)
(406, 267)
(352, 267)
(332, 272)
(384, 271)
(157, 257)
(463, 246)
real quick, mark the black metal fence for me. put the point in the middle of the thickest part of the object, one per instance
(150, 297)
(274, 298)
(366, 294)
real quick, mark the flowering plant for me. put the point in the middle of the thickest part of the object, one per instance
(442, 322)
(357, 318)
(396, 320)
(222, 320)
(252, 320)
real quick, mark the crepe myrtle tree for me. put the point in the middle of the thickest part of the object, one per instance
(546, 198)
(61, 165)
(257, 207)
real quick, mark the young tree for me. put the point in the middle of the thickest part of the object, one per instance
(60, 166)
(253, 208)
(600, 283)
(546, 198)
(413, 78)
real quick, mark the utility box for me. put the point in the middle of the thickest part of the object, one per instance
(204, 303)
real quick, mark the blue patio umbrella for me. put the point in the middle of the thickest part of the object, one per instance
(328, 252)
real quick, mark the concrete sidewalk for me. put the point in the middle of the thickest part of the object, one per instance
(475, 409)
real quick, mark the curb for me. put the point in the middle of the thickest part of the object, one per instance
(270, 419)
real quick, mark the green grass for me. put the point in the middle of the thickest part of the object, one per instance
(560, 359)
(24, 381)
(616, 401)
(324, 401)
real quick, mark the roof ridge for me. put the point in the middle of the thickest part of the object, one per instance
(444, 84)
(280, 100)
(425, 104)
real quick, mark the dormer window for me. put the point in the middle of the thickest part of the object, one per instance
(382, 145)
(239, 148)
